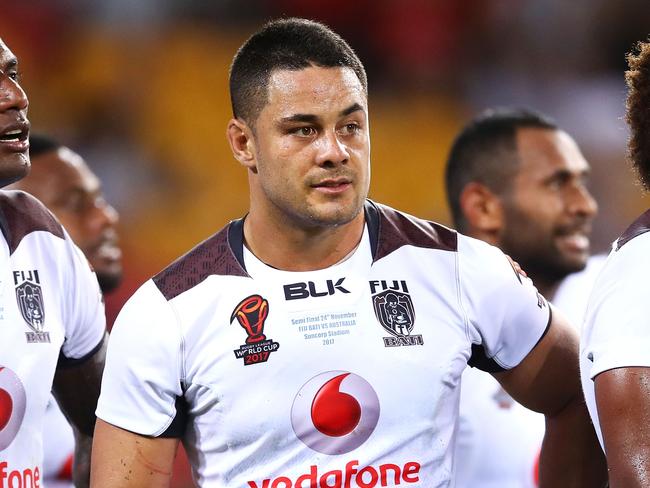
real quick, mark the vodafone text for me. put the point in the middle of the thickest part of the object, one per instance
(368, 477)
(27, 478)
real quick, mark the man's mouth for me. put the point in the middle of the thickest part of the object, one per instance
(577, 241)
(333, 185)
(15, 136)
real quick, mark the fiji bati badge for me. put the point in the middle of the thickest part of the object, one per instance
(29, 296)
(395, 312)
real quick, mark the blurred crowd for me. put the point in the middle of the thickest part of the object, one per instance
(140, 88)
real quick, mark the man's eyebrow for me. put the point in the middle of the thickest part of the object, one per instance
(310, 118)
(12, 62)
(351, 109)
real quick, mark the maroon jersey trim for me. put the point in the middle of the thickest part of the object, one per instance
(640, 226)
(214, 256)
(21, 214)
(391, 230)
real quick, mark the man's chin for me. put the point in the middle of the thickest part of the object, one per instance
(109, 280)
(574, 263)
(333, 214)
(14, 170)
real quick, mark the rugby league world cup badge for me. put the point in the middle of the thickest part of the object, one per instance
(251, 314)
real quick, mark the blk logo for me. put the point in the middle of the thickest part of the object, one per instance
(296, 291)
(12, 406)
(335, 412)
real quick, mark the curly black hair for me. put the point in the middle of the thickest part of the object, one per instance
(638, 110)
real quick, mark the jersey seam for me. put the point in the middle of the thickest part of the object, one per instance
(181, 366)
(459, 296)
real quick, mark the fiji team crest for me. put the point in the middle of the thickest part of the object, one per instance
(251, 314)
(395, 312)
(29, 296)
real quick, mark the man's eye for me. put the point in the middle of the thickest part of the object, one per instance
(305, 131)
(352, 128)
(14, 75)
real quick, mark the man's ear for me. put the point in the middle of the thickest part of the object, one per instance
(482, 209)
(242, 143)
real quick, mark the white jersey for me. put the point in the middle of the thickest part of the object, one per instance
(615, 333)
(50, 312)
(499, 440)
(342, 377)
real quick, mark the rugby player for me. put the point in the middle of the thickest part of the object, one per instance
(320, 340)
(614, 356)
(61, 179)
(52, 325)
(514, 179)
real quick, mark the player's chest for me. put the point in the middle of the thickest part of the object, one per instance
(391, 326)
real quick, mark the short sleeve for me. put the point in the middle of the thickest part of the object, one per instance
(141, 385)
(84, 315)
(616, 330)
(505, 314)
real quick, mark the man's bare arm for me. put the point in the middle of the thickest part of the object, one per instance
(122, 459)
(548, 381)
(76, 388)
(623, 401)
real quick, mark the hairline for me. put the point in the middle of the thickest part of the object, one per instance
(267, 83)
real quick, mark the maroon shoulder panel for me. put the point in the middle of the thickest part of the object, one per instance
(638, 227)
(397, 229)
(21, 214)
(214, 256)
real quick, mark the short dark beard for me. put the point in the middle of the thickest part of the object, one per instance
(108, 282)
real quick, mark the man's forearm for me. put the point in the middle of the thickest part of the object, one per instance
(82, 451)
(571, 455)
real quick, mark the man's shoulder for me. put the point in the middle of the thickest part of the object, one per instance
(219, 254)
(21, 214)
(392, 229)
(640, 226)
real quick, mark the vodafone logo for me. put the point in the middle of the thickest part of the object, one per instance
(335, 412)
(12, 406)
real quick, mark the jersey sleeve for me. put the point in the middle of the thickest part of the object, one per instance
(615, 333)
(85, 318)
(505, 315)
(141, 386)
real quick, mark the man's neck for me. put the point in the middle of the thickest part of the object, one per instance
(290, 247)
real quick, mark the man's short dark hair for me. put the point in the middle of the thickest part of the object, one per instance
(485, 151)
(40, 144)
(285, 44)
(638, 110)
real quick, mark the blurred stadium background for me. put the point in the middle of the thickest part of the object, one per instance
(139, 88)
